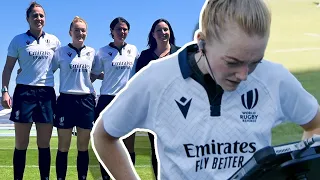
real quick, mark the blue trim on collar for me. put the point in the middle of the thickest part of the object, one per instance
(77, 50)
(185, 67)
(29, 34)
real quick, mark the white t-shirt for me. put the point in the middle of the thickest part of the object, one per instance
(118, 67)
(34, 58)
(201, 146)
(75, 67)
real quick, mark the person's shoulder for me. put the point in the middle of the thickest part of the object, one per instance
(89, 48)
(104, 49)
(62, 49)
(51, 36)
(174, 48)
(131, 46)
(19, 37)
(269, 71)
(267, 65)
(158, 74)
(145, 53)
(166, 67)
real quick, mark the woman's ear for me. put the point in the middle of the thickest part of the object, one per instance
(201, 42)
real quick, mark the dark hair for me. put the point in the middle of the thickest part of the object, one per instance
(30, 8)
(152, 43)
(116, 21)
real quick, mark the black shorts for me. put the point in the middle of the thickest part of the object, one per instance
(33, 104)
(103, 101)
(75, 110)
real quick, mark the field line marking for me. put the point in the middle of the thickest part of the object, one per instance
(296, 49)
(312, 34)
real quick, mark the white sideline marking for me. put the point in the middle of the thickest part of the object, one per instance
(4, 112)
(312, 34)
(296, 49)
(35, 166)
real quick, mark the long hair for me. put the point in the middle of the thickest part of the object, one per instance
(152, 43)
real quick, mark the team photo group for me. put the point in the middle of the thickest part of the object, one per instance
(207, 106)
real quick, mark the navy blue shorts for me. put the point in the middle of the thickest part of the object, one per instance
(75, 110)
(103, 101)
(33, 104)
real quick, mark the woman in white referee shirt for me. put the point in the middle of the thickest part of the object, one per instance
(76, 103)
(34, 96)
(116, 60)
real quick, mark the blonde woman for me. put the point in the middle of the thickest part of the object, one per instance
(213, 104)
(76, 103)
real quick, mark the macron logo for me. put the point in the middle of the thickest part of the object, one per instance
(184, 106)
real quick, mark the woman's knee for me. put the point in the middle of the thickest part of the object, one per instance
(64, 139)
(44, 133)
(83, 139)
(22, 134)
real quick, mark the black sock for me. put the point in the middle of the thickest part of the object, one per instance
(19, 163)
(153, 155)
(133, 158)
(104, 174)
(154, 163)
(61, 165)
(82, 164)
(44, 162)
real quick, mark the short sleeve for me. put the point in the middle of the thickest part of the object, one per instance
(58, 44)
(133, 69)
(131, 109)
(297, 104)
(13, 48)
(55, 61)
(97, 65)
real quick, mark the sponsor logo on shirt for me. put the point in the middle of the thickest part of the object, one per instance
(39, 55)
(219, 155)
(79, 67)
(122, 64)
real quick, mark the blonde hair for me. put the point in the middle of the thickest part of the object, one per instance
(252, 16)
(78, 19)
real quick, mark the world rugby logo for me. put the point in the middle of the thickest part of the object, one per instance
(250, 99)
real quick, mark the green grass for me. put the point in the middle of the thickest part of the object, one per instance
(291, 20)
(142, 148)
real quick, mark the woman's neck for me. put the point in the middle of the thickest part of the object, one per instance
(77, 45)
(201, 62)
(118, 44)
(36, 33)
(162, 49)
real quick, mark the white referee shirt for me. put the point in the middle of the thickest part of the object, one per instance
(75, 67)
(34, 57)
(117, 65)
(193, 144)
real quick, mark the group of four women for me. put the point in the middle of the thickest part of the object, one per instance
(34, 100)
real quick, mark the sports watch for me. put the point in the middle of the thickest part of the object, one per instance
(4, 89)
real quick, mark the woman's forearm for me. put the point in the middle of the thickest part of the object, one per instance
(112, 154)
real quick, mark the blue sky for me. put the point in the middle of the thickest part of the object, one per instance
(182, 15)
